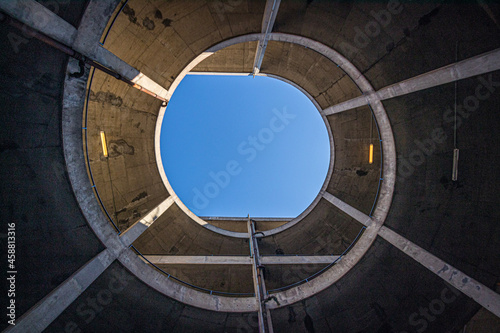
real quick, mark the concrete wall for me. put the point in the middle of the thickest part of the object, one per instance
(175, 233)
(386, 290)
(127, 180)
(53, 239)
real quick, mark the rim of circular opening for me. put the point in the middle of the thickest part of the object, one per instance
(204, 55)
(382, 206)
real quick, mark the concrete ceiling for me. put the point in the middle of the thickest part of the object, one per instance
(383, 292)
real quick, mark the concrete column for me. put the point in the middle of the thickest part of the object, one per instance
(39, 317)
(132, 233)
(483, 63)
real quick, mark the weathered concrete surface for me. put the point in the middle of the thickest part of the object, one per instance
(238, 278)
(470, 67)
(483, 295)
(382, 292)
(50, 307)
(133, 232)
(160, 38)
(222, 278)
(238, 260)
(127, 180)
(35, 192)
(455, 220)
(483, 322)
(326, 230)
(236, 59)
(118, 314)
(270, 13)
(354, 180)
(240, 224)
(316, 74)
(175, 233)
(42, 19)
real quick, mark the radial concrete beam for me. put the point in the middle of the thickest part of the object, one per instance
(270, 13)
(83, 41)
(480, 64)
(40, 18)
(297, 260)
(238, 260)
(39, 317)
(483, 295)
(71, 126)
(199, 260)
(348, 209)
(472, 288)
(132, 233)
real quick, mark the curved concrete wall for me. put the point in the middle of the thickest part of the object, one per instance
(455, 221)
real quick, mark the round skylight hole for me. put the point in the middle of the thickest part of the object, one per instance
(238, 145)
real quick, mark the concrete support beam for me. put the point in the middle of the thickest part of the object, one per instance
(71, 126)
(349, 210)
(480, 64)
(39, 317)
(199, 260)
(472, 288)
(238, 260)
(270, 13)
(131, 234)
(297, 260)
(82, 41)
(110, 60)
(40, 18)
(85, 43)
(87, 39)
(486, 297)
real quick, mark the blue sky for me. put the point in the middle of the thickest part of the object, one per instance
(238, 145)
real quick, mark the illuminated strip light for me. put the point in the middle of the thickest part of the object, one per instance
(454, 173)
(370, 157)
(104, 146)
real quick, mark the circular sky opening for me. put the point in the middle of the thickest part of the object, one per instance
(234, 145)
